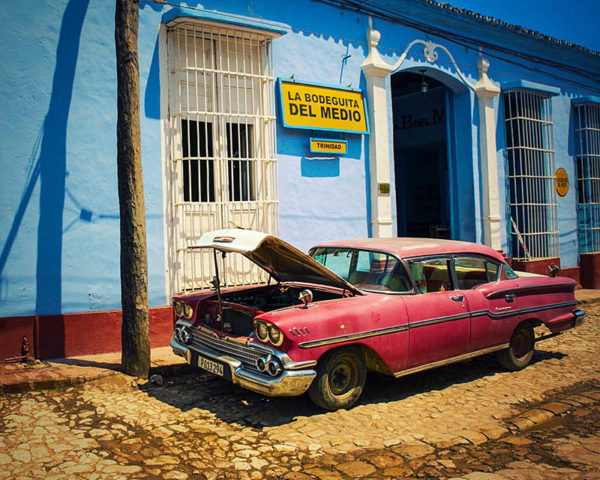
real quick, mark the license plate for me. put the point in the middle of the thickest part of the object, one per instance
(210, 366)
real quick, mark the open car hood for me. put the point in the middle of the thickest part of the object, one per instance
(281, 260)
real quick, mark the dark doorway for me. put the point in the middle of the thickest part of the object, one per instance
(421, 155)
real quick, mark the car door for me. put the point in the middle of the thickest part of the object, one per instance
(439, 325)
(492, 299)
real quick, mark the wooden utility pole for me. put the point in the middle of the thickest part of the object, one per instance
(135, 342)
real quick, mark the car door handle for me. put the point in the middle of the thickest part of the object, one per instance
(457, 298)
(509, 297)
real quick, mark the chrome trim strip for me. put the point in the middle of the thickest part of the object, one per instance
(435, 321)
(449, 361)
(533, 309)
(424, 323)
(301, 365)
(382, 331)
(480, 313)
(499, 293)
(352, 336)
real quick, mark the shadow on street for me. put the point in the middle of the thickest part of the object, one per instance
(235, 405)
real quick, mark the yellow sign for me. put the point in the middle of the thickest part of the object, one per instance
(320, 145)
(562, 182)
(317, 107)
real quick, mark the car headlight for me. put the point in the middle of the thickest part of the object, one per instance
(275, 336)
(274, 367)
(178, 306)
(262, 332)
(188, 311)
(186, 335)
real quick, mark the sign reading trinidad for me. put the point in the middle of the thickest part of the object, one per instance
(322, 107)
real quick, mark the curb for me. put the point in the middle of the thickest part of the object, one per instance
(559, 406)
(51, 384)
(590, 300)
(70, 381)
(548, 411)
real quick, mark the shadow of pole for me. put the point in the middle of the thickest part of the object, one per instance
(32, 178)
(53, 162)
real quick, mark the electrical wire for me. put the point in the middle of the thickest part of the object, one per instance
(459, 40)
(473, 44)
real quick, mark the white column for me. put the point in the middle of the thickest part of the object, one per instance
(486, 91)
(376, 70)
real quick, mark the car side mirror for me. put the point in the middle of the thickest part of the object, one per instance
(553, 270)
(306, 297)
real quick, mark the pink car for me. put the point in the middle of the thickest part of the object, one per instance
(393, 305)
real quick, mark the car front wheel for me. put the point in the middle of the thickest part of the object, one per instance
(520, 351)
(340, 379)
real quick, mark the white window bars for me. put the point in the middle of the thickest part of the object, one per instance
(587, 154)
(532, 196)
(222, 168)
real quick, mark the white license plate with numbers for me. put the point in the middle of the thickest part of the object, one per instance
(210, 366)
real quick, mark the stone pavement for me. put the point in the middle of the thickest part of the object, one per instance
(197, 426)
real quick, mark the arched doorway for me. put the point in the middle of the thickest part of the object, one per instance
(434, 183)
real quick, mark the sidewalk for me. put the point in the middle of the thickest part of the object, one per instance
(63, 372)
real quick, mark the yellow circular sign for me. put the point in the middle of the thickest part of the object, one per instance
(562, 182)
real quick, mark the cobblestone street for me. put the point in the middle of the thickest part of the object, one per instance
(470, 420)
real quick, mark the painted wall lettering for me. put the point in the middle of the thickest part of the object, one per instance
(436, 116)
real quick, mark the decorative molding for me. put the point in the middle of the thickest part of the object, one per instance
(431, 55)
(376, 69)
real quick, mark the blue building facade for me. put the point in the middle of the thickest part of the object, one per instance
(477, 131)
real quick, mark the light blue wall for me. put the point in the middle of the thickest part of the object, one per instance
(59, 231)
(59, 228)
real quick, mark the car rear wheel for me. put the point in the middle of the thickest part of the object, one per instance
(340, 379)
(518, 355)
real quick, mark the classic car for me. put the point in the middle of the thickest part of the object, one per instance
(392, 305)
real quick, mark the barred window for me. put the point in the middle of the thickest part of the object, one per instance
(221, 135)
(532, 196)
(587, 154)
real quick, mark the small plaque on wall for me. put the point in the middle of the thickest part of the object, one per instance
(383, 188)
(562, 182)
(321, 145)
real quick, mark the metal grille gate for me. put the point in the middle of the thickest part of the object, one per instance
(587, 148)
(221, 131)
(530, 148)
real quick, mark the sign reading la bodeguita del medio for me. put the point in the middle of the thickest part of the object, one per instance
(322, 107)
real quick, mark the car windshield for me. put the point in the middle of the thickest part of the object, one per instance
(365, 269)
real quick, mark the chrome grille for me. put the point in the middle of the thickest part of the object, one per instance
(246, 355)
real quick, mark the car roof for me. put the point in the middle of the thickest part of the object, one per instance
(404, 247)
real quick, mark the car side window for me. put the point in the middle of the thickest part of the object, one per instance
(474, 271)
(366, 269)
(380, 271)
(431, 275)
(509, 273)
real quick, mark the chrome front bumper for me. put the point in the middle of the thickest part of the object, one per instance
(579, 314)
(294, 379)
